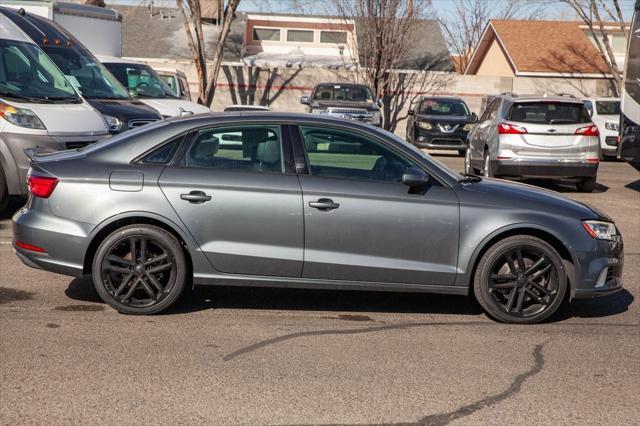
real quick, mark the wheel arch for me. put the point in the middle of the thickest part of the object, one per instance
(133, 218)
(532, 230)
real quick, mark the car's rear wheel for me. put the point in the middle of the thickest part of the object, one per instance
(140, 269)
(520, 279)
(4, 192)
(587, 184)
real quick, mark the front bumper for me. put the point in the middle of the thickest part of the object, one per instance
(435, 139)
(544, 168)
(599, 269)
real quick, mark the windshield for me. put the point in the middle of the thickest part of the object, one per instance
(28, 74)
(337, 92)
(172, 82)
(444, 107)
(141, 80)
(632, 74)
(86, 73)
(549, 113)
(608, 107)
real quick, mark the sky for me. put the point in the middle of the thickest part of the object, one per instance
(552, 9)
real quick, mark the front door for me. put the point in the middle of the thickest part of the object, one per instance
(363, 224)
(231, 191)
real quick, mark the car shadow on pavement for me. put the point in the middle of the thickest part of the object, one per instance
(597, 307)
(635, 186)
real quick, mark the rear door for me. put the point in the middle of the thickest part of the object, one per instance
(551, 129)
(363, 224)
(241, 204)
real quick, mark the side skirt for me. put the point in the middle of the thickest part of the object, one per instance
(289, 282)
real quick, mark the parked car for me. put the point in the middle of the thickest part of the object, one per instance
(440, 122)
(535, 136)
(38, 107)
(605, 113)
(246, 108)
(629, 149)
(147, 86)
(353, 101)
(177, 82)
(85, 73)
(304, 201)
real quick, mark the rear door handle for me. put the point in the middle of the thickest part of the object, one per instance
(324, 204)
(196, 197)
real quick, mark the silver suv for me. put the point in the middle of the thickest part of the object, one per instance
(535, 136)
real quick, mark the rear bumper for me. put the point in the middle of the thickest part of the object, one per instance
(544, 168)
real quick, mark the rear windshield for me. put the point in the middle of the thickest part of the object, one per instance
(338, 92)
(608, 107)
(549, 113)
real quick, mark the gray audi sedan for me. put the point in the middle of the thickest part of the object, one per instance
(308, 201)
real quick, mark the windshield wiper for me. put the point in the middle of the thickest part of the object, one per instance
(62, 98)
(19, 96)
(469, 178)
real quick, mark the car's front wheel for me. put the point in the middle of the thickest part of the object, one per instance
(139, 269)
(520, 279)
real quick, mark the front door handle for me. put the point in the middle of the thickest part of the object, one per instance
(196, 197)
(324, 204)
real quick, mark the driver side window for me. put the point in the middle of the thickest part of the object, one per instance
(340, 154)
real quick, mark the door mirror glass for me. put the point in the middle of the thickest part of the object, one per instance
(379, 102)
(304, 100)
(414, 177)
(474, 117)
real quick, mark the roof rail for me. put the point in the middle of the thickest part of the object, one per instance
(513, 95)
(567, 95)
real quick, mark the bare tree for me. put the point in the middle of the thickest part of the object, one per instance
(591, 13)
(385, 38)
(191, 12)
(463, 28)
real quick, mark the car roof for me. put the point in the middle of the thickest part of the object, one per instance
(449, 97)
(342, 84)
(597, 98)
(39, 29)
(542, 98)
(284, 117)
(11, 31)
(115, 60)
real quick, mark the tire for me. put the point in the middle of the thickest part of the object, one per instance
(587, 184)
(462, 152)
(127, 283)
(486, 170)
(512, 294)
(4, 192)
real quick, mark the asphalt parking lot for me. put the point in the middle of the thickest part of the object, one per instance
(262, 356)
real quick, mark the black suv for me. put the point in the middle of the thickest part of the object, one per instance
(354, 101)
(440, 122)
(96, 84)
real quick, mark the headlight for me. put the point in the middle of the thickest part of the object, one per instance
(376, 117)
(113, 123)
(611, 126)
(424, 125)
(20, 117)
(467, 127)
(600, 229)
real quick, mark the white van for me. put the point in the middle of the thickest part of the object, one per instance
(146, 85)
(605, 113)
(176, 80)
(38, 107)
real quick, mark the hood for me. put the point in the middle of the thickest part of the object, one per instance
(499, 193)
(370, 106)
(457, 119)
(66, 119)
(125, 109)
(174, 107)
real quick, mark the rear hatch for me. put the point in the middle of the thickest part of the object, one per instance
(551, 128)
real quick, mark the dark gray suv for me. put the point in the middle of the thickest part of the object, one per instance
(352, 101)
(298, 200)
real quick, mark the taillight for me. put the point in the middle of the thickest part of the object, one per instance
(510, 129)
(41, 186)
(588, 131)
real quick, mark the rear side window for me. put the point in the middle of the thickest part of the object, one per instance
(245, 148)
(549, 113)
(164, 153)
(608, 107)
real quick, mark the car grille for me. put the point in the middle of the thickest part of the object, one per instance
(349, 111)
(76, 145)
(137, 123)
(447, 141)
(447, 127)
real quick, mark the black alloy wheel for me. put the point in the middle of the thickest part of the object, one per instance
(521, 280)
(139, 269)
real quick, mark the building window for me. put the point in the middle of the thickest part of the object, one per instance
(300, 36)
(266, 34)
(334, 37)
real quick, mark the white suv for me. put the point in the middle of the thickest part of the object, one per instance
(535, 136)
(605, 113)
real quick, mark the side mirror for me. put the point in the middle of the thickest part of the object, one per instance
(474, 117)
(410, 112)
(304, 100)
(379, 102)
(414, 177)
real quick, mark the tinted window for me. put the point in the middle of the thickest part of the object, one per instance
(246, 148)
(269, 34)
(444, 107)
(335, 37)
(300, 36)
(549, 113)
(334, 153)
(141, 80)
(163, 154)
(608, 107)
(339, 92)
